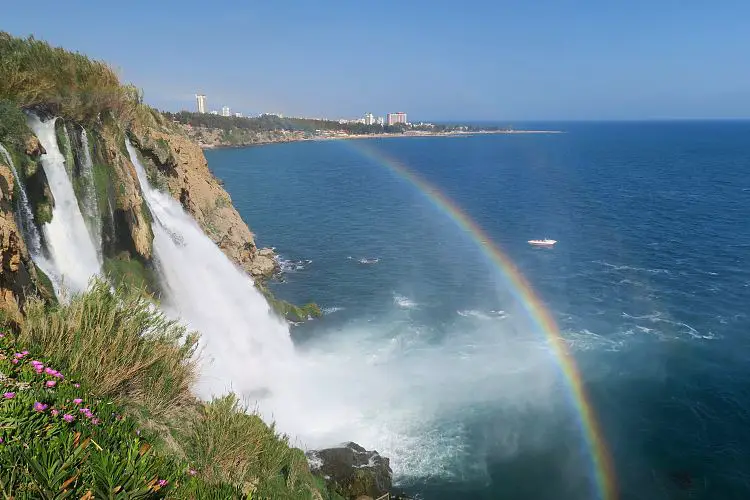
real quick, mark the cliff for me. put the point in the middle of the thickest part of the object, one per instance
(182, 167)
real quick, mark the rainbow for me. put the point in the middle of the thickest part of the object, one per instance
(601, 461)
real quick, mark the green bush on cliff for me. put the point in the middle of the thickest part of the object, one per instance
(13, 128)
(142, 434)
(137, 356)
(33, 74)
(58, 439)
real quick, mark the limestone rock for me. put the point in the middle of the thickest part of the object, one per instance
(185, 169)
(34, 148)
(130, 214)
(352, 471)
(17, 274)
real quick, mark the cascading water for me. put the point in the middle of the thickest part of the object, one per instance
(90, 205)
(243, 345)
(28, 228)
(391, 393)
(74, 255)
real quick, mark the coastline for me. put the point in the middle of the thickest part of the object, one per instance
(336, 137)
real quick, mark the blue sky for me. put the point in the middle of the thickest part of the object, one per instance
(449, 60)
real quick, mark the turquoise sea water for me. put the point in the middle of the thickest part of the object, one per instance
(649, 284)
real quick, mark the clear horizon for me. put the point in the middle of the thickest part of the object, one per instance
(438, 61)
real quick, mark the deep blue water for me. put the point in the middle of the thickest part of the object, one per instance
(649, 284)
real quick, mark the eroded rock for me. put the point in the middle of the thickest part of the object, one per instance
(352, 471)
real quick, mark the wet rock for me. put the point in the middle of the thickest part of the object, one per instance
(352, 471)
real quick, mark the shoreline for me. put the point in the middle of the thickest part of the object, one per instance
(379, 136)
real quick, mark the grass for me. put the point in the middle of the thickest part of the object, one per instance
(138, 357)
(33, 74)
(58, 439)
(132, 369)
(228, 444)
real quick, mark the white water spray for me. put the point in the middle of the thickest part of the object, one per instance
(89, 202)
(28, 228)
(244, 346)
(395, 391)
(74, 255)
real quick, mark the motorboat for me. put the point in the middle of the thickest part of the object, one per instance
(546, 242)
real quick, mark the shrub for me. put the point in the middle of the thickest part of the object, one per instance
(227, 444)
(58, 441)
(33, 74)
(120, 343)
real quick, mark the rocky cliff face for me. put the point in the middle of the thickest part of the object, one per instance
(172, 157)
(18, 276)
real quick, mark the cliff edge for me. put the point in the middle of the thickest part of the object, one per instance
(181, 164)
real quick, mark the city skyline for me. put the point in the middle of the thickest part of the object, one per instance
(368, 118)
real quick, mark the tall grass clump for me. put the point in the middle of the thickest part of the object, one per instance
(123, 347)
(227, 444)
(33, 74)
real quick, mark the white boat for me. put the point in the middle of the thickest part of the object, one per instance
(546, 242)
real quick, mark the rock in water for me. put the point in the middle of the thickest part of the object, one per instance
(352, 471)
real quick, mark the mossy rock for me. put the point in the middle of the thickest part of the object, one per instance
(131, 272)
(47, 290)
(287, 310)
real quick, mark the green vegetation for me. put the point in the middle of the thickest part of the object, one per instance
(13, 128)
(236, 130)
(47, 289)
(138, 357)
(267, 123)
(33, 74)
(114, 417)
(130, 272)
(287, 310)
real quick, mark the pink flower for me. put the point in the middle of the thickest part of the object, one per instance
(18, 355)
(24, 352)
(55, 413)
(38, 369)
(163, 482)
(68, 417)
(37, 363)
(76, 385)
(1, 440)
(49, 371)
(14, 361)
(192, 472)
(9, 395)
(78, 401)
(95, 421)
(39, 406)
(1, 336)
(50, 383)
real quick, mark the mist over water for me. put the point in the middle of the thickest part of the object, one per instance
(385, 390)
(648, 284)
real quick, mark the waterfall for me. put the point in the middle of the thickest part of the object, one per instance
(26, 215)
(73, 254)
(243, 345)
(90, 204)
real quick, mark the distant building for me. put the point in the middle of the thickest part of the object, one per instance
(394, 118)
(369, 119)
(200, 100)
(225, 111)
(238, 115)
(214, 112)
(380, 120)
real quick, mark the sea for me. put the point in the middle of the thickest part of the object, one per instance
(428, 353)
